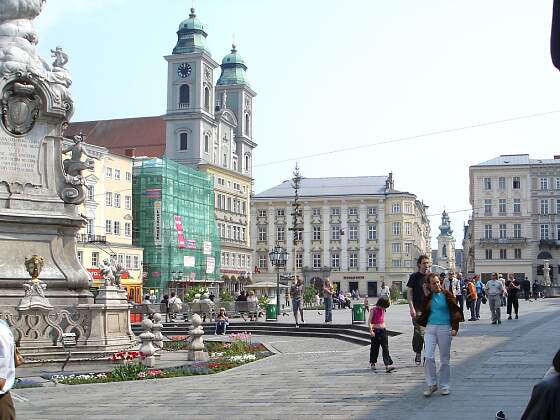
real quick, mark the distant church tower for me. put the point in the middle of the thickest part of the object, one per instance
(446, 244)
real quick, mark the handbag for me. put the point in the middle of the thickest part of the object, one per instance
(484, 300)
(18, 358)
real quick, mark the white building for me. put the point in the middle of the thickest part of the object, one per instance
(359, 231)
(516, 216)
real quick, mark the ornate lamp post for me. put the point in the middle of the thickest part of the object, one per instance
(278, 257)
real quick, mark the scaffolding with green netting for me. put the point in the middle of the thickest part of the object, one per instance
(175, 224)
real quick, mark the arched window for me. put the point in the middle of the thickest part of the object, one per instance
(184, 96)
(183, 141)
(207, 99)
(444, 251)
(224, 163)
(206, 143)
(247, 124)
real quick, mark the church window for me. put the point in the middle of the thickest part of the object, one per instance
(206, 143)
(184, 96)
(247, 162)
(224, 163)
(207, 99)
(444, 251)
(247, 122)
(183, 141)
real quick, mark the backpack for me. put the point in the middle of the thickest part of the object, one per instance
(175, 306)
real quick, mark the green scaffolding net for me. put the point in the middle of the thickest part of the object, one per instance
(175, 224)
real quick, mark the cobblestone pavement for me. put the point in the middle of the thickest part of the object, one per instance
(493, 367)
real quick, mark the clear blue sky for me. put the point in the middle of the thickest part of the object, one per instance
(332, 74)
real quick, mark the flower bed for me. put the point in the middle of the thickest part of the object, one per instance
(223, 356)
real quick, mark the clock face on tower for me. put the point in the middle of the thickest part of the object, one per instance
(184, 70)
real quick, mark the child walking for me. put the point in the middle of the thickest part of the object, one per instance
(379, 336)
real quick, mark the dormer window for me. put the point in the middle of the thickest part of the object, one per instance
(184, 96)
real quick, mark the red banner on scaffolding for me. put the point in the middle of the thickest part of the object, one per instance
(180, 234)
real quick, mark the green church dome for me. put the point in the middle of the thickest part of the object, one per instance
(191, 23)
(191, 36)
(233, 69)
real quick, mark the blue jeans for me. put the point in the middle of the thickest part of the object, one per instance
(477, 307)
(328, 309)
(221, 326)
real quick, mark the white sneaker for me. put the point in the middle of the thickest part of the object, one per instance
(445, 391)
(430, 390)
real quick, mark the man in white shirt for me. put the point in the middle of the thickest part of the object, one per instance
(175, 305)
(7, 372)
(495, 290)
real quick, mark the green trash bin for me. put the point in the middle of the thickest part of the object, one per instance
(358, 313)
(271, 313)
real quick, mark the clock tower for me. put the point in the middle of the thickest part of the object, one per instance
(190, 124)
(210, 129)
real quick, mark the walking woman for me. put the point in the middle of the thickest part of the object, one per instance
(328, 292)
(512, 287)
(441, 317)
(379, 336)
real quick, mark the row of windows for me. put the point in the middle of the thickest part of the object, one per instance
(397, 247)
(236, 260)
(515, 183)
(234, 205)
(545, 208)
(334, 211)
(546, 231)
(113, 227)
(336, 233)
(502, 231)
(317, 260)
(503, 254)
(544, 183)
(233, 232)
(114, 200)
(116, 174)
(502, 206)
(236, 186)
(129, 262)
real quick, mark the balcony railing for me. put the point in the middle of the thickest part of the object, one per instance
(503, 241)
(87, 238)
(549, 243)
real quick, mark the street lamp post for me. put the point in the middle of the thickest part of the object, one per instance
(278, 257)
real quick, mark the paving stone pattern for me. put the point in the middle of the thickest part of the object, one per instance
(493, 367)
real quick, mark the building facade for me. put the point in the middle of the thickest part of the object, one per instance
(108, 212)
(174, 213)
(516, 216)
(209, 127)
(359, 231)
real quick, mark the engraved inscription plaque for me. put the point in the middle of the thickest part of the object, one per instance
(19, 157)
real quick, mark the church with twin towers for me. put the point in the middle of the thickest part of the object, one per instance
(207, 125)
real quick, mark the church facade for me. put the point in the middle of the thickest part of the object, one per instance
(209, 127)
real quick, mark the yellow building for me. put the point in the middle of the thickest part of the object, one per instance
(358, 231)
(108, 211)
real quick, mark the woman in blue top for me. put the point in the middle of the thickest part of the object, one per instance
(480, 293)
(441, 317)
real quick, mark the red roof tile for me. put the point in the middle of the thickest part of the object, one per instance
(146, 135)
